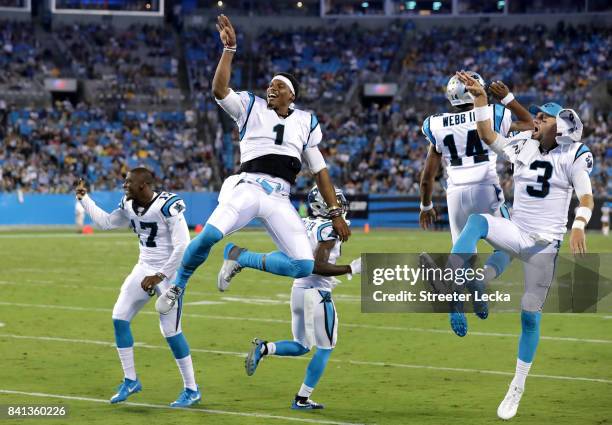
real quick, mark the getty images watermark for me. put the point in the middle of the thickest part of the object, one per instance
(393, 283)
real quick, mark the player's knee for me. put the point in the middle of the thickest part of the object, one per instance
(302, 268)
(478, 223)
(169, 329)
(303, 349)
(123, 333)
(532, 303)
(530, 321)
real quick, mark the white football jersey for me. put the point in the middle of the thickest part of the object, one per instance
(320, 230)
(151, 227)
(467, 159)
(543, 188)
(154, 227)
(264, 132)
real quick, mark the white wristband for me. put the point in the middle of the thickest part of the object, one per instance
(482, 113)
(229, 49)
(426, 208)
(584, 212)
(507, 99)
(578, 224)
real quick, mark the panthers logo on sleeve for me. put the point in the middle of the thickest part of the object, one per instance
(173, 204)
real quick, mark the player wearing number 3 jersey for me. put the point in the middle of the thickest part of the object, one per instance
(274, 139)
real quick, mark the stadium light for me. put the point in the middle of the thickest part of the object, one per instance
(411, 5)
(365, 4)
(436, 5)
(300, 4)
(220, 3)
(501, 4)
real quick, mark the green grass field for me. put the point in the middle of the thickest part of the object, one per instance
(56, 346)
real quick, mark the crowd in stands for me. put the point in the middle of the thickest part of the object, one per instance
(45, 150)
(370, 147)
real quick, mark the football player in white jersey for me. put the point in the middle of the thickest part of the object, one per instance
(158, 221)
(549, 163)
(472, 184)
(313, 313)
(275, 138)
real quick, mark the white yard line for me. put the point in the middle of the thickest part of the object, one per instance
(191, 409)
(348, 325)
(350, 361)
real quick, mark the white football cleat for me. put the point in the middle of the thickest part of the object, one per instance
(509, 405)
(229, 269)
(168, 299)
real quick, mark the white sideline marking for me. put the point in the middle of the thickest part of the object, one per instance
(348, 325)
(190, 409)
(355, 362)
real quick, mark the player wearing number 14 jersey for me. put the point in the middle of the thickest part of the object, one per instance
(472, 184)
(157, 219)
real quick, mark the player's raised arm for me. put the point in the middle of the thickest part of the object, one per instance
(101, 218)
(524, 119)
(224, 68)
(428, 214)
(483, 114)
(581, 168)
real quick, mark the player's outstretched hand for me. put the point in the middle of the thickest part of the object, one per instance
(578, 242)
(226, 31)
(149, 283)
(427, 218)
(471, 84)
(80, 190)
(499, 90)
(341, 228)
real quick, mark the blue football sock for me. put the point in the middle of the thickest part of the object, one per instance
(123, 334)
(316, 367)
(530, 335)
(178, 345)
(277, 263)
(499, 260)
(475, 229)
(196, 253)
(290, 348)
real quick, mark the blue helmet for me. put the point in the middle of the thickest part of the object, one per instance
(319, 207)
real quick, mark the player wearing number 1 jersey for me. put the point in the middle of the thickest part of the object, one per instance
(158, 221)
(275, 137)
(472, 184)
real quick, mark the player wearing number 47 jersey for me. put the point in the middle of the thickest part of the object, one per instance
(549, 163)
(473, 184)
(157, 219)
(274, 139)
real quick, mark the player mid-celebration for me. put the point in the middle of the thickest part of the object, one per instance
(472, 184)
(158, 221)
(549, 164)
(314, 321)
(274, 139)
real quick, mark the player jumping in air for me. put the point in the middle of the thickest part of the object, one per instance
(548, 163)
(314, 321)
(158, 221)
(274, 139)
(472, 184)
